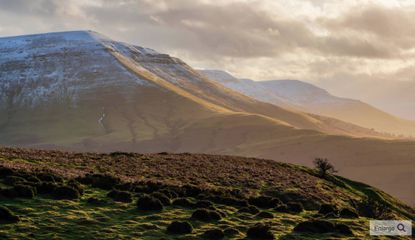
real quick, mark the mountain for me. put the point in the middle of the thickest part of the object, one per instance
(141, 196)
(82, 91)
(306, 97)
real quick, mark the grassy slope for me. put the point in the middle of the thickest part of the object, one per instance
(46, 218)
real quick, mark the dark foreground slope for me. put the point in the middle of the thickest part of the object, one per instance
(63, 195)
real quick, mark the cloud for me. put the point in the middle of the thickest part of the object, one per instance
(389, 30)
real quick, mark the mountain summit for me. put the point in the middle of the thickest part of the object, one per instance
(83, 91)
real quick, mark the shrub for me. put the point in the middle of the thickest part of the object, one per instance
(183, 202)
(192, 191)
(49, 177)
(230, 232)
(24, 191)
(8, 192)
(32, 179)
(12, 180)
(372, 208)
(203, 204)
(348, 213)
(103, 181)
(265, 215)
(283, 208)
(95, 201)
(264, 202)
(249, 209)
(343, 229)
(162, 197)
(120, 196)
(206, 215)
(315, 226)
(260, 231)
(177, 227)
(323, 166)
(226, 200)
(46, 187)
(6, 171)
(7, 216)
(295, 207)
(169, 193)
(327, 208)
(75, 184)
(148, 203)
(65, 192)
(214, 234)
(125, 186)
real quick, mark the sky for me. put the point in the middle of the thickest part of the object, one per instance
(362, 49)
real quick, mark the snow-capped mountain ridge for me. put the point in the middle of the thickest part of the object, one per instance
(37, 67)
(307, 97)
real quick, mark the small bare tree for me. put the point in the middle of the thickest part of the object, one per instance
(324, 167)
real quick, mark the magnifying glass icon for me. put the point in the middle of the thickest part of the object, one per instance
(401, 227)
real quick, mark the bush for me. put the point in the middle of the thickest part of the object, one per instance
(46, 187)
(249, 209)
(183, 202)
(214, 234)
(24, 191)
(260, 231)
(120, 196)
(203, 204)
(179, 228)
(372, 208)
(96, 201)
(264, 202)
(8, 192)
(192, 191)
(315, 226)
(148, 203)
(283, 208)
(343, 229)
(323, 167)
(230, 201)
(75, 184)
(49, 177)
(65, 192)
(129, 187)
(231, 232)
(327, 208)
(162, 197)
(7, 216)
(12, 180)
(6, 172)
(265, 215)
(31, 178)
(295, 207)
(103, 181)
(348, 213)
(206, 215)
(169, 193)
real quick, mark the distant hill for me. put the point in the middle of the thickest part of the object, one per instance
(85, 92)
(306, 97)
(180, 196)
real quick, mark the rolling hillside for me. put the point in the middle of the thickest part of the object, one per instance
(82, 91)
(51, 194)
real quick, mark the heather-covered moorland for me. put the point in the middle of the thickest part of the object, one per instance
(60, 195)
